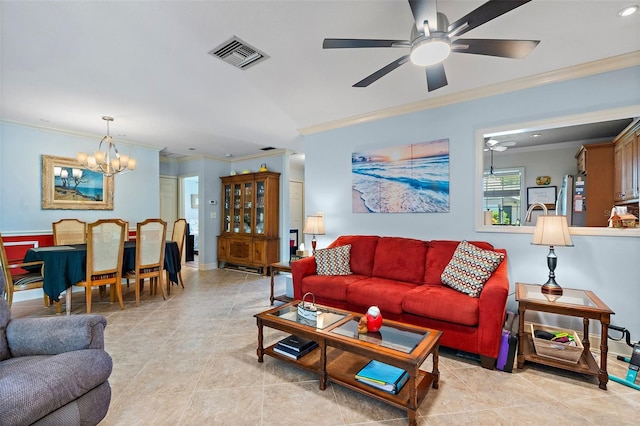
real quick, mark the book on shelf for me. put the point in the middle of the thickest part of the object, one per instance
(383, 376)
(291, 353)
(296, 343)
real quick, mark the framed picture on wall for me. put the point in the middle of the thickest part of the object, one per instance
(542, 194)
(66, 185)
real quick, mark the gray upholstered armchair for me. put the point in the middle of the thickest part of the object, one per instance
(53, 371)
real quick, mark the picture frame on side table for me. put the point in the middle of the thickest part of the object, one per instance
(66, 185)
(542, 194)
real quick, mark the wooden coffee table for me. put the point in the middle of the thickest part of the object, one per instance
(342, 352)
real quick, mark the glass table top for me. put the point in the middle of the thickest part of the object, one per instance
(388, 336)
(569, 296)
(324, 319)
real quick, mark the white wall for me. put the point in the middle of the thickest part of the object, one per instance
(608, 266)
(21, 150)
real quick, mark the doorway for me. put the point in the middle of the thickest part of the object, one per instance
(189, 209)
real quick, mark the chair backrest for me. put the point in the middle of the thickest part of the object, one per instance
(179, 233)
(69, 231)
(150, 243)
(105, 247)
(6, 275)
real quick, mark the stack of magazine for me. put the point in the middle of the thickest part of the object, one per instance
(383, 376)
(295, 347)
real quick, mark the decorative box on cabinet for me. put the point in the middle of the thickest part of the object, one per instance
(249, 226)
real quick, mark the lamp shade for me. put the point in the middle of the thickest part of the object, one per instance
(314, 225)
(552, 231)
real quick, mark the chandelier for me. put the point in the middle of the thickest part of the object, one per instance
(107, 160)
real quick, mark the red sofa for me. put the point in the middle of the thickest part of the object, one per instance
(402, 277)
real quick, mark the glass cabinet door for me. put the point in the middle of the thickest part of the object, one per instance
(227, 208)
(247, 200)
(260, 207)
(237, 208)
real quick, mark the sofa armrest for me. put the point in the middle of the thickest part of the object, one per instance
(55, 335)
(493, 304)
(300, 269)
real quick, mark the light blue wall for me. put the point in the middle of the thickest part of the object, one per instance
(607, 265)
(21, 150)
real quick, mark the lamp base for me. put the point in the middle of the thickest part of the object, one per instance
(551, 290)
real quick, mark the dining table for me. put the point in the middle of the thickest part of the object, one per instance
(65, 265)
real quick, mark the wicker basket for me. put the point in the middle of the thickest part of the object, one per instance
(554, 350)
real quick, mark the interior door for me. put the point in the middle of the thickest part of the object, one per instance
(296, 206)
(169, 201)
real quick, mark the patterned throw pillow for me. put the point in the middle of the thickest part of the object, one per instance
(333, 261)
(470, 267)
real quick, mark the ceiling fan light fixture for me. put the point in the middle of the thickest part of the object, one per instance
(430, 50)
(629, 10)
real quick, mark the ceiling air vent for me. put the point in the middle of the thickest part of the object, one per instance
(238, 53)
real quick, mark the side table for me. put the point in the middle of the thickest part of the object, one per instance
(279, 267)
(573, 302)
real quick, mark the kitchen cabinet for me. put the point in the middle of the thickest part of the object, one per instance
(626, 183)
(595, 165)
(250, 220)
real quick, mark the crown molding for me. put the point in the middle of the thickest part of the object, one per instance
(613, 63)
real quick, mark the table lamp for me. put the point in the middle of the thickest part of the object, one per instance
(314, 226)
(551, 230)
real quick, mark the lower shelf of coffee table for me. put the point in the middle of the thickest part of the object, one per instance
(342, 367)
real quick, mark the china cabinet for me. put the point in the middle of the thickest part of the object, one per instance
(249, 223)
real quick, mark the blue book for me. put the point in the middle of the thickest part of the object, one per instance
(383, 376)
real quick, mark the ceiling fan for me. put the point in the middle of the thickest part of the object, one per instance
(433, 39)
(494, 145)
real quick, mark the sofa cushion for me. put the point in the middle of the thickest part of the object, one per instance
(329, 287)
(438, 256)
(363, 248)
(400, 259)
(383, 293)
(333, 261)
(470, 267)
(442, 303)
(33, 389)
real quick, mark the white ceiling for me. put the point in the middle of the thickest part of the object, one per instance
(66, 64)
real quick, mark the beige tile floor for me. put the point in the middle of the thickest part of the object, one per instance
(191, 360)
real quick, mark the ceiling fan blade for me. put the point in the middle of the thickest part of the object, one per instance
(382, 72)
(499, 148)
(485, 13)
(424, 10)
(347, 43)
(436, 77)
(515, 49)
(508, 143)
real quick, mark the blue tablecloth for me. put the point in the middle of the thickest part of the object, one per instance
(65, 266)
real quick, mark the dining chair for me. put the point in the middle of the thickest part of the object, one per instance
(21, 281)
(178, 235)
(105, 247)
(69, 231)
(150, 246)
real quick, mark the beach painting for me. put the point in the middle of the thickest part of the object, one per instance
(401, 179)
(67, 185)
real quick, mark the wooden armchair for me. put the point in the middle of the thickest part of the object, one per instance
(150, 246)
(20, 281)
(105, 248)
(178, 235)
